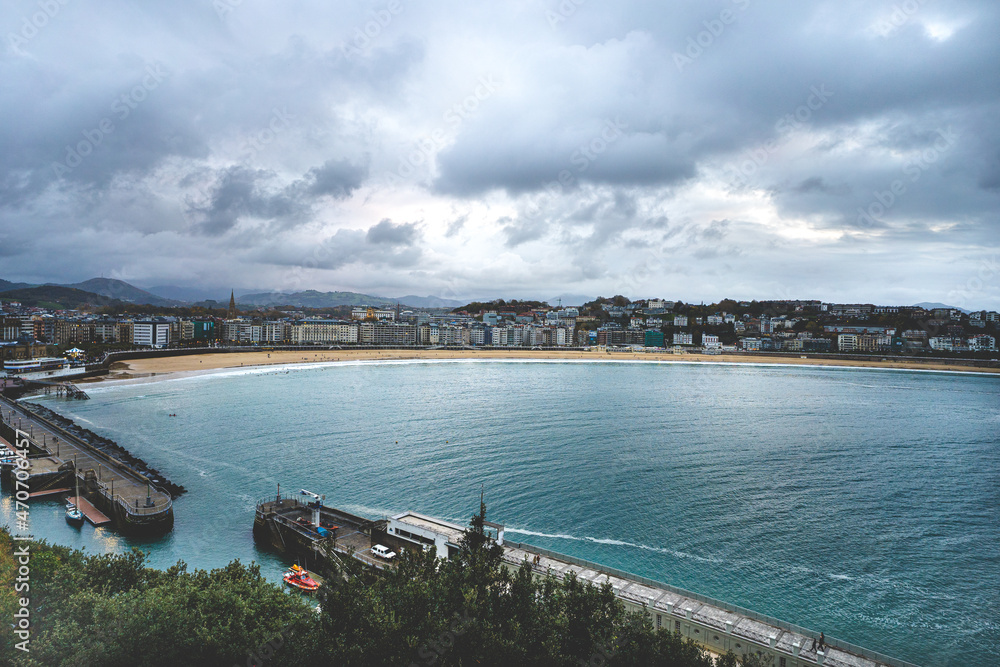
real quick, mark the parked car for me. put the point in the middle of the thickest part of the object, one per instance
(383, 552)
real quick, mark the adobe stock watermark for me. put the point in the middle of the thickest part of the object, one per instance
(257, 141)
(365, 35)
(600, 658)
(426, 147)
(22, 554)
(900, 16)
(33, 24)
(698, 43)
(914, 169)
(122, 107)
(987, 272)
(430, 652)
(582, 158)
(752, 160)
(564, 10)
(266, 651)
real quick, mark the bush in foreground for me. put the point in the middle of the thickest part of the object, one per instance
(112, 610)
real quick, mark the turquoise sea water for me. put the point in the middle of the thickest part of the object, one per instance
(862, 503)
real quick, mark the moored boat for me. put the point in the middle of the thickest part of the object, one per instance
(299, 578)
(74, 516)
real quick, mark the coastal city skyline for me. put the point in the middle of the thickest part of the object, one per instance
(569, 148)
(101, 323)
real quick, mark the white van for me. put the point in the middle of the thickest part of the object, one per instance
(383, 552)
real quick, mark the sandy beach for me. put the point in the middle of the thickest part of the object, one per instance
(167, 366)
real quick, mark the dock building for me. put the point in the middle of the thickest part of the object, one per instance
(308, 527)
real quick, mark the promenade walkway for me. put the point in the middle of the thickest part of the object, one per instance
(114, 477)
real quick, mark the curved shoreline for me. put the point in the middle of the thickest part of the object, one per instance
(166, 368)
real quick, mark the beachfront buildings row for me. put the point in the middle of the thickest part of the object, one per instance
(554, 329)
(431, 334)
(164, 332)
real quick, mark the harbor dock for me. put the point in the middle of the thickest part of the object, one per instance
(91, 513)
(716, 625)
(118, 495)
(303, 526)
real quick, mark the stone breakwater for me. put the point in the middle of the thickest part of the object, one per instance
(109, 447)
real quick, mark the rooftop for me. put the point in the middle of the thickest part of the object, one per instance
(449, 530)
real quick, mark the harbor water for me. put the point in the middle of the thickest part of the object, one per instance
(861, 503)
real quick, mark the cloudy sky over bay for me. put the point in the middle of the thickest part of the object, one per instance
(842, 150)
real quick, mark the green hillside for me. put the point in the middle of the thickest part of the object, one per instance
(57, 297)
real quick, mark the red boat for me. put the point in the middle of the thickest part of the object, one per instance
(300, 579)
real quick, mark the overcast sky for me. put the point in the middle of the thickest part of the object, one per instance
(841, 150)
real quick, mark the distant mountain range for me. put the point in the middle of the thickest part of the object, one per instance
(315, 299)
(6, 285)
(428, 302)
(56, 297)
(120, 290)
(94, 292)
(109, 291)
(927, 305)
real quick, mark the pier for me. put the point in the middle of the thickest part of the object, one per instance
(123, 497)
(67, 389)
(716, 625)
(92, 514)
(305, 528)
(308, 528)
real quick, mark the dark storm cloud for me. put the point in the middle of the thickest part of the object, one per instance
(581, 144)
(388, 233)
(384, 244)
(522, 230)
(337, 178)
(238, 193)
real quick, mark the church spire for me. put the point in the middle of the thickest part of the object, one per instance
(232, 306)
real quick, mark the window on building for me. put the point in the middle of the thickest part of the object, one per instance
(715, 637)
(677, 626)
(782, 662)
(659, 621)
(697, 631)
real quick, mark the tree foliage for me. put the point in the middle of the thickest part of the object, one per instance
(468, 610)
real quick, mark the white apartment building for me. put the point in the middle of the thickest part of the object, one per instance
(323, 331)
(982, 343)
(149, 333)
(683, 339)
(847, 342)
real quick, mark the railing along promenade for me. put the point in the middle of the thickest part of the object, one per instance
(163, 500)
(704, 599)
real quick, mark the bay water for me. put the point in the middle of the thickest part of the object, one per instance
(862, 503)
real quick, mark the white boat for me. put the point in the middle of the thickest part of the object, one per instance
(39, 369)
(74, 516)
